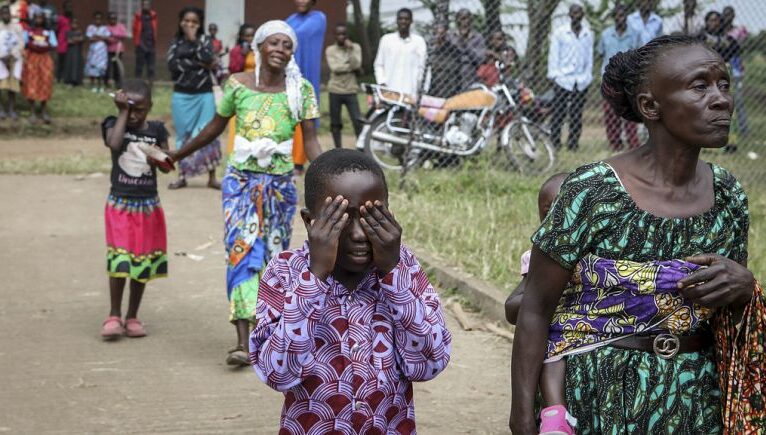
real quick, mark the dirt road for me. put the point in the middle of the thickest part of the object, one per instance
(59, 377)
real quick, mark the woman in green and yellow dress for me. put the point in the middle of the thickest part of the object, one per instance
(259, 196)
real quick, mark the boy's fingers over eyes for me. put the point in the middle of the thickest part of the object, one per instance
(390, 216)
(370, 231)
(340, 210)
(329, 208)
(339, 224)
(701, 275)
(378, 217)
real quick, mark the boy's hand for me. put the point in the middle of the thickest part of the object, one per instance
(384, 234)
(324, 235)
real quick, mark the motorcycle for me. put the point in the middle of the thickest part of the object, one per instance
(402, 130)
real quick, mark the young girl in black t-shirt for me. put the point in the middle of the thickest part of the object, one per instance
(135, 224)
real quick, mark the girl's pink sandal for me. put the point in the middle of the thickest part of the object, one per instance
(134, 328)
(112, 328)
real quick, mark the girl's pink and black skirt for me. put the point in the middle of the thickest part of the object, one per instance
(135, 238)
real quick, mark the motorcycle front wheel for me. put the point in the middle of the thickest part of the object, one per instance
(528, 147)
(385, 153)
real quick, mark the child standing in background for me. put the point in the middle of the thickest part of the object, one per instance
(134, 220)
(74, 60)
(37, 76)
(115, 47)
(554, 417)
(98, 56)
(11, 58)
(346, 323)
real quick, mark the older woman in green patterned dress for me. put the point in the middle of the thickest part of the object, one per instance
(657, 202)
(259, 196)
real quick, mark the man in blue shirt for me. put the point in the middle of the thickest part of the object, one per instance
(647, 23)
(615, 39)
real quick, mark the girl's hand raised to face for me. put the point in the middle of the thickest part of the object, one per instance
(384, 234)
(324, 235)
(723, 282)
(122, 101)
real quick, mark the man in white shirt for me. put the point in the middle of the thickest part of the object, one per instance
(645, 21)
(401, 57)
(570, 67)
(688, 21)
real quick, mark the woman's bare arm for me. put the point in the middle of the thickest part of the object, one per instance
(546, 281)
(212, 130)
(310, 141)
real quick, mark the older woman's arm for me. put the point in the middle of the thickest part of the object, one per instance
(723, 282)
(310, 141)
(212, 130)
(546, 281)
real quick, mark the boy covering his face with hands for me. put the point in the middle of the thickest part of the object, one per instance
(346, 323)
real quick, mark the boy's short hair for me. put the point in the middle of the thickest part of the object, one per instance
(333, 163)
(137, 86)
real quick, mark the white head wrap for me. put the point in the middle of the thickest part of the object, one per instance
(294, 78)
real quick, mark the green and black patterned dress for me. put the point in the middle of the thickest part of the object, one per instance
(612, 390)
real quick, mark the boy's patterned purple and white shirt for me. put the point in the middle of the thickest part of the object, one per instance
(345, 359)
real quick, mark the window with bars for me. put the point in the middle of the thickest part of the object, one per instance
(125, 10)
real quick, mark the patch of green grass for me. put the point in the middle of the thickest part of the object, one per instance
(60, 165)
(76, 110)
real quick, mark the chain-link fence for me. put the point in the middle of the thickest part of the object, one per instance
(515, 83)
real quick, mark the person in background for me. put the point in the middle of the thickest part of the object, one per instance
(136, 235)
(310, 27)
(442, 77)
(115, 48)
(47, 9)
(20, 12)
(615, 39)
(345, 61)
(727, 47)
(62, 27)
(241, 59)
(259, 194)
(739, 35)
(37, 77)
(498, 50)
(74, 60)
(190, 60)
(688, 21)
(645, 21)
(401, 59)
(570, 66)
(218, 50)
(98, 56)
(11, 62)
(145, 40)
(470, 46)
